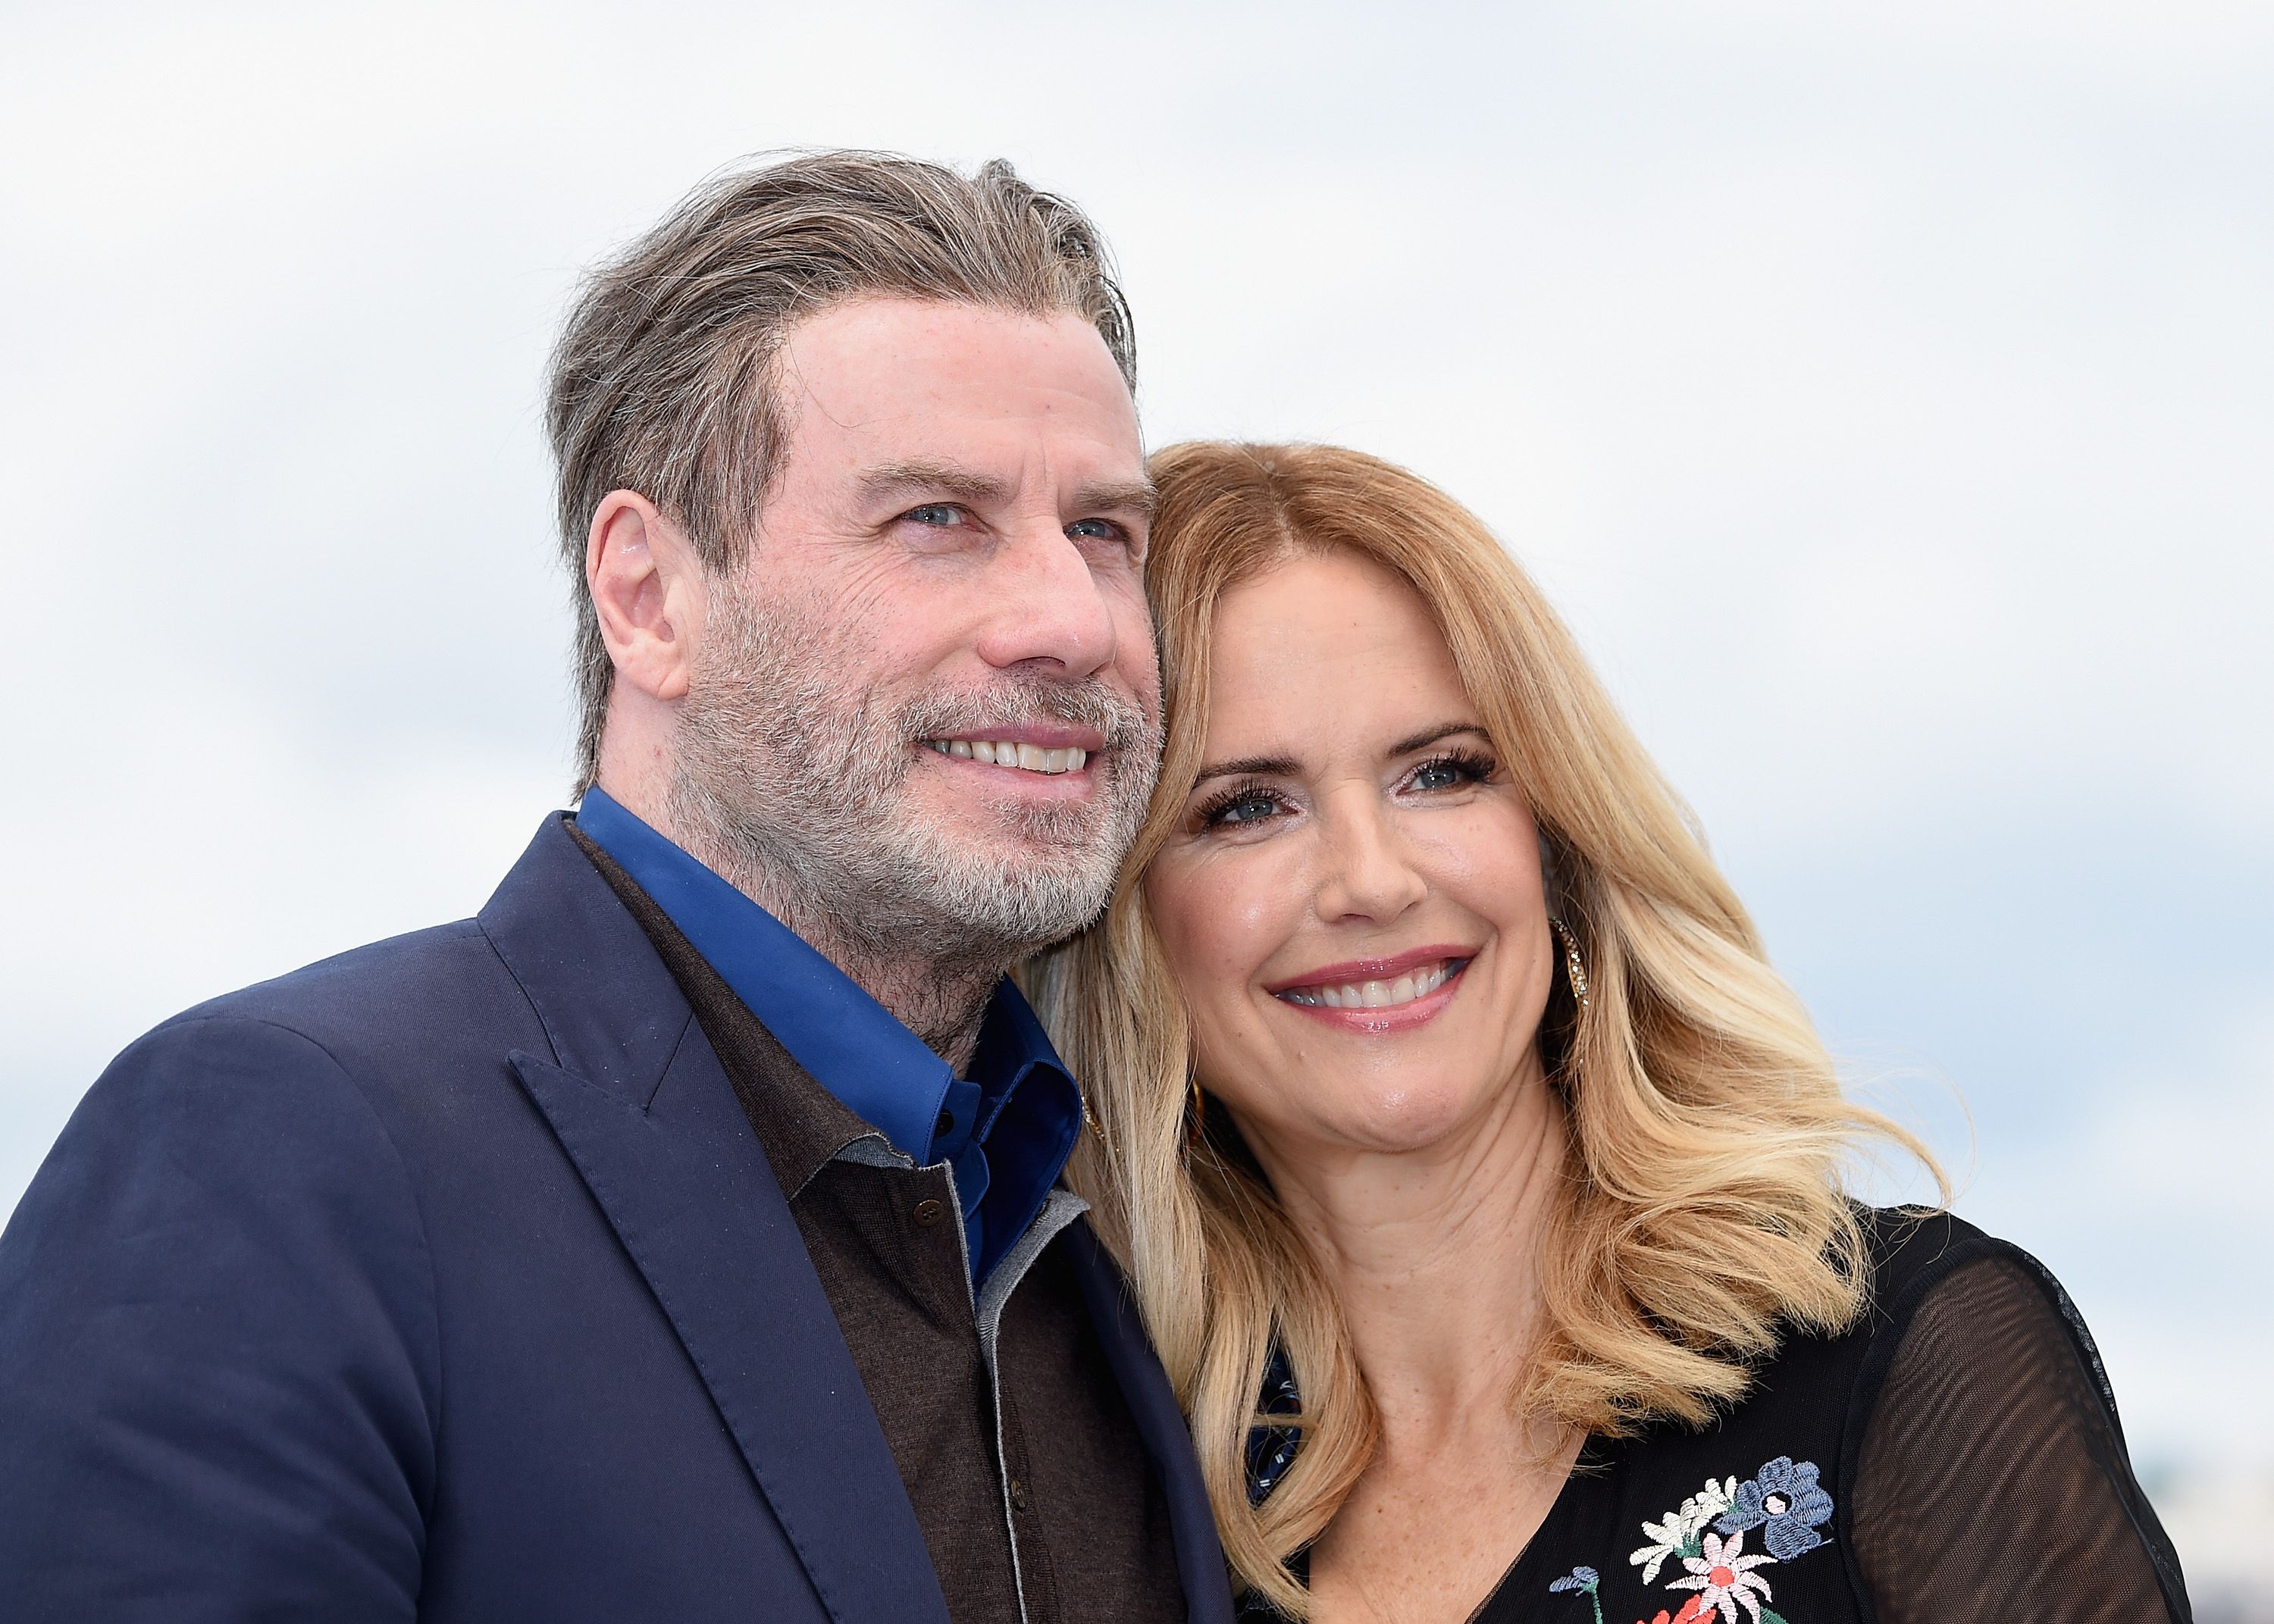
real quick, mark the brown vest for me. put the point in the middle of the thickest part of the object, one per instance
(1041, 1444)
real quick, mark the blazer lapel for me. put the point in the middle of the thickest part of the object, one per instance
(1161, 1422)
(642, 1107)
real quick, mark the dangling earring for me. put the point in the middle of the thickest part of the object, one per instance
(1573, 966)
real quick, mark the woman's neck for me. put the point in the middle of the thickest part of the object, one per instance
(1433, 1255)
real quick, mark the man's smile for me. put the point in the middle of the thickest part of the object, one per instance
(1009, 753)
(1045, 748)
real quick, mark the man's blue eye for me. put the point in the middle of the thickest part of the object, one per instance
(1099, 530)
(939, 513)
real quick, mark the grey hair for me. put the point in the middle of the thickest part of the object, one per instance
(662, 382)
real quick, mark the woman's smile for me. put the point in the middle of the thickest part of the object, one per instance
(1379, 996)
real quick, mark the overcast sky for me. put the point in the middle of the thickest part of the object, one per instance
(1887, 394)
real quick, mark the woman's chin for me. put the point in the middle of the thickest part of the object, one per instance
(1427, 1115)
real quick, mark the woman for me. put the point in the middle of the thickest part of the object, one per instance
(1479, 1181)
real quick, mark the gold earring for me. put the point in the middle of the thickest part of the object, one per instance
(1574, 965)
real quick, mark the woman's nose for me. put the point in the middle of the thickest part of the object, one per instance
(1368, 873)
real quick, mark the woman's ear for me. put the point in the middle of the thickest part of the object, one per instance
(648, 592)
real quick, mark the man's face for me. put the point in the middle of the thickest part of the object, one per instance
(948, 568)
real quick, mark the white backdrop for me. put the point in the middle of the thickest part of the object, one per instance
(1887, 394)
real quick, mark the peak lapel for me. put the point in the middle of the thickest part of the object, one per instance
(644, 1109)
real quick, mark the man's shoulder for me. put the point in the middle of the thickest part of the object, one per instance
(424, 986)
(401, 1028)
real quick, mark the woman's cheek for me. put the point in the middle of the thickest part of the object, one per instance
(1239, 914)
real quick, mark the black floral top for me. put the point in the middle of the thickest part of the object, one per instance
(1955, 1456)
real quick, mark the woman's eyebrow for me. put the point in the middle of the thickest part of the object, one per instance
(1249, 767)
(1428, 736)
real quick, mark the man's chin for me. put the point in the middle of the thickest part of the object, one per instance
(1017, 893)
(1053, 828)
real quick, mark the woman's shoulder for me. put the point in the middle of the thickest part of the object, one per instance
(1911, 1250)
(1877, 1461)
(1945, 1306)
(1931, 1270)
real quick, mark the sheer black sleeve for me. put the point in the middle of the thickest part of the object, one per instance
(1993, 1482)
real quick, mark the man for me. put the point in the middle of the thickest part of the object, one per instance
(681, 1238)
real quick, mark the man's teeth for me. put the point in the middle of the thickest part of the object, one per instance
(1026, 757)
(1374, 995)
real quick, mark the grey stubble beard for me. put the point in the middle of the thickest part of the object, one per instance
(788, 779)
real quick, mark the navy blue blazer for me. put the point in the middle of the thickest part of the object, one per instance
(445, 1281)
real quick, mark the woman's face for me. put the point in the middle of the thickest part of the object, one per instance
(1351, 902)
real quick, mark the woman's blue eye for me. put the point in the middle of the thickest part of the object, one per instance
(1252, 809)
(1449, 772)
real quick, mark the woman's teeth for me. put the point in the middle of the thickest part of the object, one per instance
(1026, 757)
(1375, 995)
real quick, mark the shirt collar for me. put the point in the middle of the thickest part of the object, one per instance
(861, 1052)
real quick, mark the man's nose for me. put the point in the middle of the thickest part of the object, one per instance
(1368, 873)
(1050, 606)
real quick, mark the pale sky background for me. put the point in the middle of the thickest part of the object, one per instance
(1885, 393)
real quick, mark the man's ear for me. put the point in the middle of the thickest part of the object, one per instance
(647, 589)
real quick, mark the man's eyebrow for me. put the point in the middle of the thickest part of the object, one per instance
(1428, 736)
(1135, 496)
(944, 478)
(1249, 767)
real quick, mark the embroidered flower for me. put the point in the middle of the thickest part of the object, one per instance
(1577, 1579)
(1677, 1535)
(1723, 1574)
(1784, 1501)
(1585, 1579)
(1692, 1612)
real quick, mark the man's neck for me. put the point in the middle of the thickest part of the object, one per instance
(942, 999)
(944, 1002)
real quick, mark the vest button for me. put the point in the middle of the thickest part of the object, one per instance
(929, 1212)
(1020, 1500)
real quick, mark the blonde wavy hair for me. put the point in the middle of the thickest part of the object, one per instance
(1703, 1214)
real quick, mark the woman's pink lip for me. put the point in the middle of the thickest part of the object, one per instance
(1396, 1017)
(1354, 972)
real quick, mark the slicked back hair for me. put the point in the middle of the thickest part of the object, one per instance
(663, 380)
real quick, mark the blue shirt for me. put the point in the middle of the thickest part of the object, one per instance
(1006, 1131)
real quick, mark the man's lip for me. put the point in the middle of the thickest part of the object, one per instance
(1362, 969)
(1043, 735)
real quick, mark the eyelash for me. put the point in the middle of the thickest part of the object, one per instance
(1473, 766)
(1216, 805)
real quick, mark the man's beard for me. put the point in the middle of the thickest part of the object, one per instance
(793, 766)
